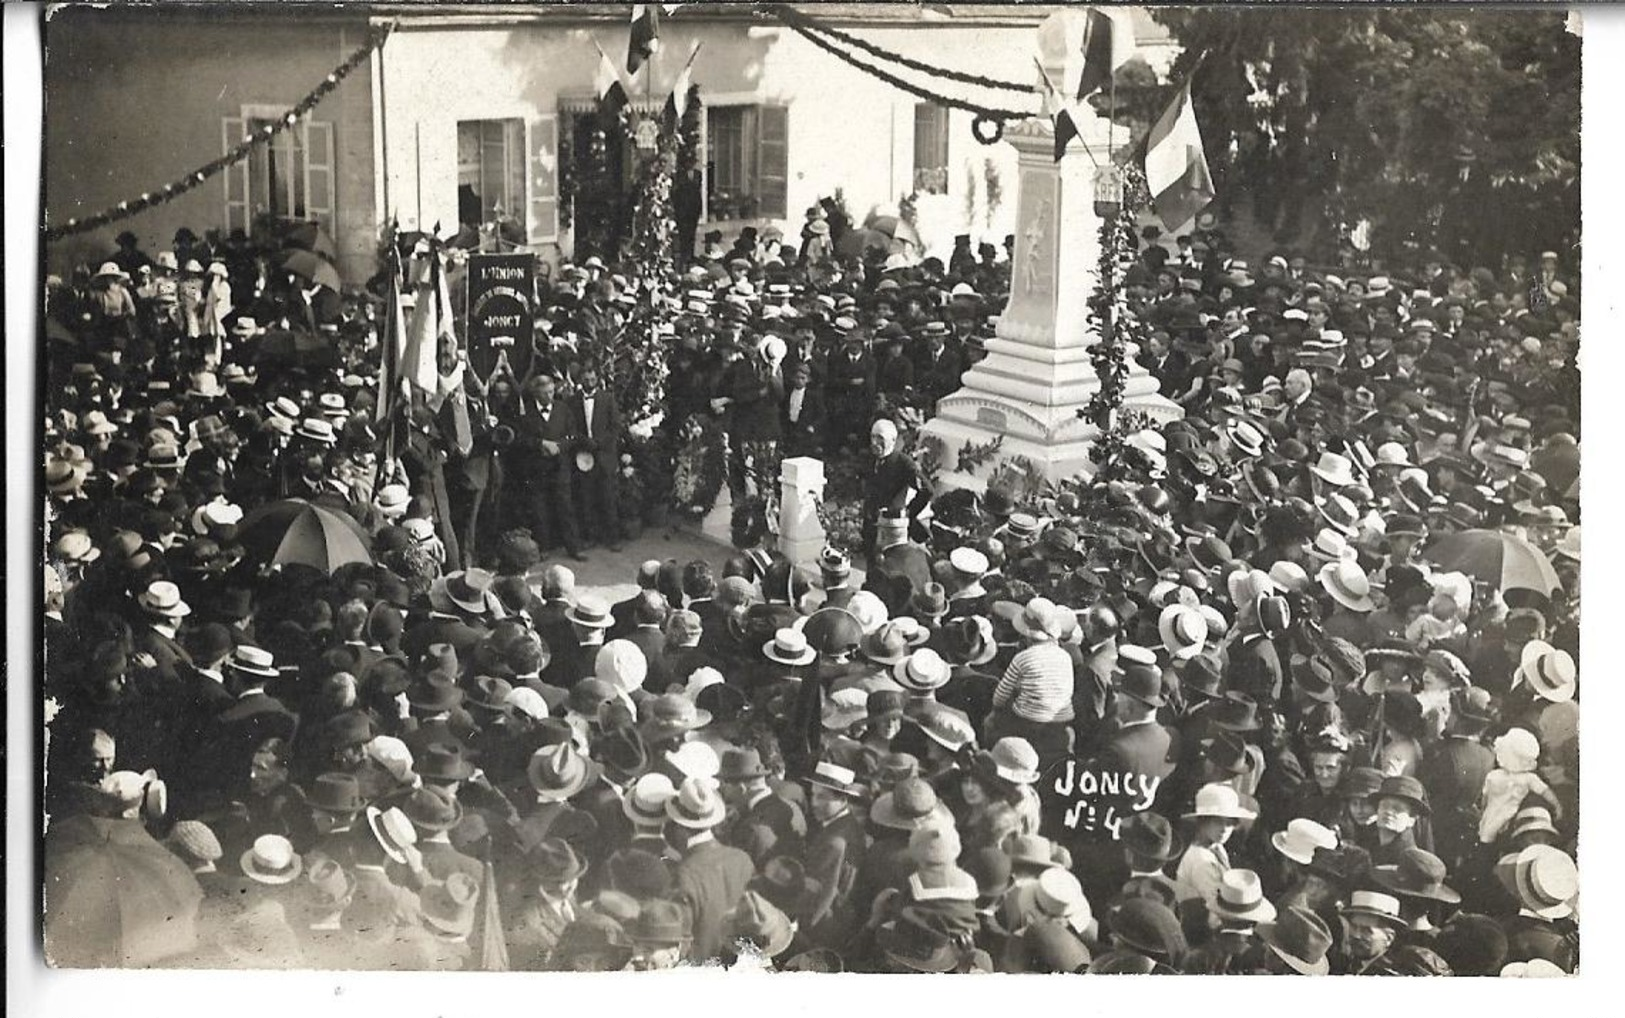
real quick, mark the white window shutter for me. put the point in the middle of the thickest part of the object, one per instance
(772, 160)
(319, 173)
(542, 180)
(235, 177)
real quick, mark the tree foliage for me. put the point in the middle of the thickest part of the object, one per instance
(1452, 129)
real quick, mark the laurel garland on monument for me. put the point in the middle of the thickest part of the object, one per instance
(1118, 326)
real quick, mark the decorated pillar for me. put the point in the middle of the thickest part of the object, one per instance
(1037, 375)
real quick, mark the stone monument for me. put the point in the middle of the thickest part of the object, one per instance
(801, 486)
(1037, 374)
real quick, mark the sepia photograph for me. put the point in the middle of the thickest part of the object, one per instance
(860, 488)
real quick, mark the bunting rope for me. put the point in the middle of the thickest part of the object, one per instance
(792, 17)
(201, 175)
(986, 113)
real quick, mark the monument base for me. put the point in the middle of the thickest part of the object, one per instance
(1038, 418)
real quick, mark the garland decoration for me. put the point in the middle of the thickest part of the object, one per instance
(990, 112)
(793, 18)
(1117, 325)
(201, 175)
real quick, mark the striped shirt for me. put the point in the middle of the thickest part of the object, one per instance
(1038, 685)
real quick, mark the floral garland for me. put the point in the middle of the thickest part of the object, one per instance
(1116, 325)
(792, 17)
(242, 150)
(986, 113)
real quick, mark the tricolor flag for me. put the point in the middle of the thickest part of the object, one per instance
(1175, 164)
(1108, 43)
(607, 83)
(645, 37)
(677, 102)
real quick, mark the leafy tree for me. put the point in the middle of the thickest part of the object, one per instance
(1457, 130)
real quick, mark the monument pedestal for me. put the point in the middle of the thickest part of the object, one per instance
(801, 486)
(1037, 375)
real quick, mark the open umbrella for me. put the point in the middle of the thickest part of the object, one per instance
(895, 229)
(309, 236)
(854, 243)
(311, 266)
(1503, 560)
(296, 532)
(114, 897)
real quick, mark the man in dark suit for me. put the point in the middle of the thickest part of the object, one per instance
(459, 608)
(623, 612)
(162, 610)
(227, 745)
(557, 598)
(899, 567)
(598, 436)
(894, 487)
(434, 812)
(1453, 772)
(760, 823)
(805, 414)
(937, 369)
(1136, 743)
(850, 389)
(649, 612)
(700, 588)
(542, 470)
(711, 877)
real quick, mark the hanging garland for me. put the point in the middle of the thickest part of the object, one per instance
(1117, 325)
(986, 112)
(794, 18)
(199, 176)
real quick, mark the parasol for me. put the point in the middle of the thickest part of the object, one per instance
(309, 236)
(296, 532)
(1504, 561)
(896, 230)
(114, 897)
(311, 266)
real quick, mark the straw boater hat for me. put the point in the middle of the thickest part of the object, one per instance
(1348, 585)
(1549, 673)
(645, 802)
(271, 860)
(789, 647)
(922, 671)
(590, 612)
(1219, 800)
(696, 806)
(1301, 838)
(163, 598)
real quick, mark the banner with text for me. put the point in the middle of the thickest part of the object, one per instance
(500, 314)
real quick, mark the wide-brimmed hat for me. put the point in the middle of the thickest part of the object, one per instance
(271, 860)
(432, 809)
(435, 693)
(1300, 938)
(911, 804)
(696, 806)
(464, 590)
(1302, 838)
(1334, 469)
(1406, 788)
(1040, 620)
(1219, 800)
(1247, 437)
(1376, 904)
(1012, 759)
(670, 715)
(560, 772)
(946, 729)
(163, 598)
(110, 270)
(741, 765)
(591, 612)
(1235, 712)
(645, 801)
(1241, 898)
(1340, 513)
(335, 792)
(789, 647)
(931, 601)
(831, 775)
(1544, 879)
(970, 640)
(317, 430)
(922, 671)
(1183, 630)
(443, 761)
(77, 546)
(1550, 673)
(1418, 874)
(1348, 585)
(913, 942)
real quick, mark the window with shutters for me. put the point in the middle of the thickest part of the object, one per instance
(286, 178)
(491, 157)
(747, 161)
(930, 148)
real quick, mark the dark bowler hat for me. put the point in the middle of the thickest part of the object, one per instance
(1235, 712)
(1149, 836)
(443, 761)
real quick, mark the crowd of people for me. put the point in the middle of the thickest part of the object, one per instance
(1294, 692)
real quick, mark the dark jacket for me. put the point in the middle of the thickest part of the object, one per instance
(711, 879)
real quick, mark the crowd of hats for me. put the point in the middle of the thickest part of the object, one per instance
(1265, 581)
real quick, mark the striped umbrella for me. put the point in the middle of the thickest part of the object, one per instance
(1505, 561)
(296, 532)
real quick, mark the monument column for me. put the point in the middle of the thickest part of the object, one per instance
(1037, 374)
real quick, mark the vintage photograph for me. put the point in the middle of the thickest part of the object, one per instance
(816, 487)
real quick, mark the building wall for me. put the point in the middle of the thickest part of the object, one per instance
(134, 99)
(846, 129)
